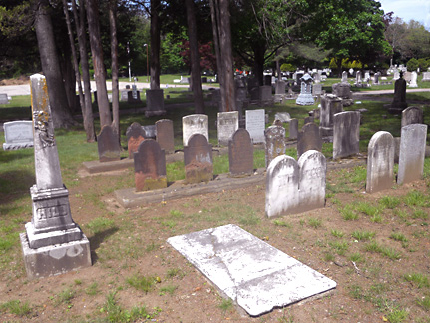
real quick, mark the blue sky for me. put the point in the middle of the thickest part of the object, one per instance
(418, 10)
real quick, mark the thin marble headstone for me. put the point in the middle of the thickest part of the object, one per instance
(108, 145)
(309, 138)
(165, 135)
(227, 124)
(194, 124)
(135, 135)
(254, 123)
(18, 135)
(412, 115)
(346, 134)
(198, 160)
(293, 129)
(275, 142)
(240, 153)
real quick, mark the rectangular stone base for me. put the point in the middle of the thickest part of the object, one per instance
(55, 259)
(39, 240)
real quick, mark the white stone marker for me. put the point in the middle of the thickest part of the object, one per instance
(254, 123)
(194, 124)
(412, 153)
(413, 82)
(255, 275)
(18, 135)
(227, 124)
(380, 162)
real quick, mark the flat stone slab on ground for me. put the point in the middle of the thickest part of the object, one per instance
(257, 276)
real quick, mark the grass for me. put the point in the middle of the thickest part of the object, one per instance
(226, 304)
(388, 252)
(116, 313)
(340, 247)
(92, 289)
(419, 280)
(363, 235)
(142, 283)
(315, 223)
(348, 213)
(390, 202)
(424, 302)
(169, 289)
(337, 233)
(100, 224)
(16, 307)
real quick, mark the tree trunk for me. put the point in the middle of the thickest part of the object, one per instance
(87, 107)
(99, 69)
(155, 44)
(114, 54)
(61, 116)
(215, 33)
(196, 80)
(259, 51)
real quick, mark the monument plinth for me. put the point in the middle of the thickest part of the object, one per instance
(53, 243)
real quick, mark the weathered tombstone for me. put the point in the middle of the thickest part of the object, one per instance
(282, 186)
(266, 94)
(316, 113)
(317, 78)
(227, 124)
(396, 74)
(346, 134)
(280, 88)
(330, 105)
(53, 243)
(267, 80)
(108, 145)
(284, 117)
(380, 162)
(254, 89)
(165, 135)
(399, 100)
(309, 138)
(155, 103)
(3, 98)
(198, 160)
(312, 166)
(18, 135)
(426, 76)
(309, 119)
(412, 153)
(412, 115)
(194, 124)
(366, 76)
(254, 123)
(413, 82)
(305, 97)
(407, 76)
(317, 89)
(150, 166)
(358, 78)
(135, 135)
(124, 95)
(294, 129)
(343, 91)
(133, 96)
(275, 142)
(240, 153)
(344, 77)
(376, 78)
(150, 131)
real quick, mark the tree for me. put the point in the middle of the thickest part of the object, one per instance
(114, 57)
(155, 44)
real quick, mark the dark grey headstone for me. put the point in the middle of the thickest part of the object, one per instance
(309, 138)
(275, 142)
(3, 98)
(330, 105)
(108, 145)
(412, 115)
(165, 135)
(155, 103)
(294, 129)
(280, 87)
(198, 160)
(346, 134)
(135, 135)
(399, 100)
(240, 153)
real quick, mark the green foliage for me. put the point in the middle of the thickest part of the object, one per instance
(332, 64)
(363, 235)
(314, 223)
(287, 67)
(412, 64)
(417, 279)
(115, 312)
(141, 282)
(390, 202)
(16, 307)
(100, 224)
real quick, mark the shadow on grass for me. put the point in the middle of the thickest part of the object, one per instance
(97, 239)
(13, 186)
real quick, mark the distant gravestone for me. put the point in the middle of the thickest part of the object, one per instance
(376, 79)
(344, 77)
(4, 98)
(18, 135)
(280, 88)
(346, 134)
(317, 89)
(282, 186)
(413, 82)
(330, 105)
(108, 145)
(124, 95)
(408, 76)
(150, 131)
(358, 78)
(284, 117)
(399, 100)
(275, 142)
(305, 97)
(266, 94)
(412, 153)
(312, 166)
(343, 91)
(380, 162)
(198, 160)
(155, 103)
(254, 123)
(150, 166)
(165, 135)
(396, 74)
(194, 124)
(294, 129)
(240, 153)
(309, 138)
(227, 124)
(426, 77)
(412, 115)
(135, 135)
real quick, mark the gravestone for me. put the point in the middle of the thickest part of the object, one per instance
(412, 153)
(396, 74)
(376, 78)
(135, 135)
(346, 134)
(150, 131)
(408, 76)
(280, 88)
(165, 135)
(413, 82)
(150, 166)
(275, 142)
(358, 78)
(317, 78)
(155, 103)
(399, 100)
(194, 124)
(254, 123)
(330, 105)
(240, 154)
(3, 98)
(305, 97)
(344, 77)
(343, 91)
(426, 77)
(366, 76)
(317, 89)
(293, 129)
(52, 243)
(253, 89)
(108, 145)
(227, 124)
(309, 138)
(266, 94)
(308, 119)
(412, 115)
(284, 117)
(380, 162)
(282, 186)
(18, 135)
(312, 166)
(198, 160)
(124, 95)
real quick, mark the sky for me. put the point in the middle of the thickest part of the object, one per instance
(418, 10)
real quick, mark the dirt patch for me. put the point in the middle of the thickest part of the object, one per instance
(15, 81)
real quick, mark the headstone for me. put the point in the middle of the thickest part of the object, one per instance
(150, 166)
(309, 119)
(426, 77)
(399, 100)
(412, 115)
(135, 135)
(366, 76)
(317, 89)
(396, 74)
(330, 105)
(150, 131)
(18, 135)
(284, 117)
(227, 124)
(280, 88)
(380, 162)
(346, 134)
(254, 89)
(317, 78)
(124, 95)
(358, 77)
(266, 94)
(293, 129)
(133, 96)
(155, 103)
(413, 82)
(108, 145)
(412, 153)
(376, 78)
(407, 76)
(344, 77)
(53, 243)
(194, 124)
(3, 98)
(165, 135)
(309, 138)
(240, 153)
(305, 97)
(198, 160)
(254, 123)
(343, 91)
(275, 142)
